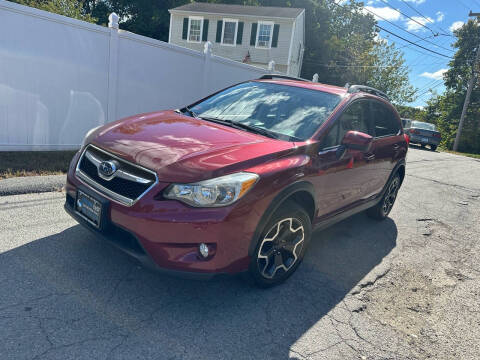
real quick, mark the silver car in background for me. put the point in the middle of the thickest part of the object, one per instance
(422, 133)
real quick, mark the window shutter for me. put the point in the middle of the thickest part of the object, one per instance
(276, 30)
(219, 31)
(253, 34)
(185, 29)
(240, 33)
(205, 30)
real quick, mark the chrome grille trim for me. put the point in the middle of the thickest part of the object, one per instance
(85, 179)
(119, 173)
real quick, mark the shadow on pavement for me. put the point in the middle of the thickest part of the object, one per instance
(70, 295)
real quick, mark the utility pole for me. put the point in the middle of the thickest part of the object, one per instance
(471, 82)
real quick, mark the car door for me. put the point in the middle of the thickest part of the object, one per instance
(342, 176)
(389, 143)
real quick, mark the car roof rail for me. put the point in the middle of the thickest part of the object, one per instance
(285, 77)
(367, 89)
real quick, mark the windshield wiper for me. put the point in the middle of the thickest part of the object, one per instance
(191, 112)
(242, 126)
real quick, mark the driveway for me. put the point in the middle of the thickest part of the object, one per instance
(405, 288)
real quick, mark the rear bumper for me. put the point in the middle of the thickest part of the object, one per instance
(418, 139)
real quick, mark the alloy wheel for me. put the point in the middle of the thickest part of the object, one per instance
(390, 195)
(280, 248)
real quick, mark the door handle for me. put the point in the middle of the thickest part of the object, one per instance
(369, 157)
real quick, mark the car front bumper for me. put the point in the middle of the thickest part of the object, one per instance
(166, 234)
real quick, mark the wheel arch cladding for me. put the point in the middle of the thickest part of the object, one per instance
(302, 192)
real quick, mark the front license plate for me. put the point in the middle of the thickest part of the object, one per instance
(425, 140)
(89, 208)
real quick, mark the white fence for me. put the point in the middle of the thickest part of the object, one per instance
(59, 77)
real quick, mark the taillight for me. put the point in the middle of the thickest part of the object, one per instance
(407, 138)
(437, 135)
(413, 131)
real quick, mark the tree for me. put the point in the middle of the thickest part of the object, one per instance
(388, 72)
(70, 8)
(445, 110)
(409, 112)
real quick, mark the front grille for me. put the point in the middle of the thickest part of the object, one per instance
(126, 185)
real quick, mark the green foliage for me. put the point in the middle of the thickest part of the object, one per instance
(445, 110)
(389, 73)
(70, 8)
(409, 112)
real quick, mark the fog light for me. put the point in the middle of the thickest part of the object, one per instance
(203, 249)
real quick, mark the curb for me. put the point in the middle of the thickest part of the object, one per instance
(32, 184)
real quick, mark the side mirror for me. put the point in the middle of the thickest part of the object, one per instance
(357, 140)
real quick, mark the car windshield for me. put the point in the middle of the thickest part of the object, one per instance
(423, 125)
(291, 111)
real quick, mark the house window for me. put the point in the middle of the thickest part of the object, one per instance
(195, 25)
(264, 35)
(229, 31)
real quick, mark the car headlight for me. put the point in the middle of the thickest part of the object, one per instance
(89, 132)
(221, 191)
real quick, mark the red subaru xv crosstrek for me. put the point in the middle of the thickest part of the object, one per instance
(238, 181)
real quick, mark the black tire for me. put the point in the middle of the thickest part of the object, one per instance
(286, 245)
(384, 206)
(433, 147)
(423, 146)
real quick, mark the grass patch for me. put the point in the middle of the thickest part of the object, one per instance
(475, 156)
(28, 163)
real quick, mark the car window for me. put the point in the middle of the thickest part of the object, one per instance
(385, 120)
(406, 123)
(355, 117)
(423, 125)
(289, 110)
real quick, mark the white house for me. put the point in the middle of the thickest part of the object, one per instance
(252, 34)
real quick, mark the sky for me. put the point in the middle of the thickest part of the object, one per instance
(441, 17)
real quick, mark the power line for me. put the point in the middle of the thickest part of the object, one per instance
(435, 84)
(378, 26)
(401, 13)
(423, 16)
(411, 42)
(359, 66)
(391, 23)
(463, 4)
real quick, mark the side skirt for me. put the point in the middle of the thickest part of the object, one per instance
(331, 220)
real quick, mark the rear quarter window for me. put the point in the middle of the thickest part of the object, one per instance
(385, 120)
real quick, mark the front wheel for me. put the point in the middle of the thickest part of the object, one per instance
(433, 147)
(384, 206)
(281, 246)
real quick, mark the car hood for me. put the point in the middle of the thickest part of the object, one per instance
(184, 149)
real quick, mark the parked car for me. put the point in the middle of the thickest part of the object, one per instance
(238, 181)
(423, 134)
(406, 123)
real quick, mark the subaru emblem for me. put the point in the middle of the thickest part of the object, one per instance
(107, 168)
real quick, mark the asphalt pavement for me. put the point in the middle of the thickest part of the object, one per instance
(404, 288)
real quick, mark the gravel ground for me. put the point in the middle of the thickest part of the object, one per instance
(405, 288)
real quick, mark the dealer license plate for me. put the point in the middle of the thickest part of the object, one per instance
(425, 140)
(89, 208)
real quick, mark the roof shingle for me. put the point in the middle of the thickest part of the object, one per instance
(261, 11)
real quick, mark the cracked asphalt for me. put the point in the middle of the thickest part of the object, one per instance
(404, 288)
